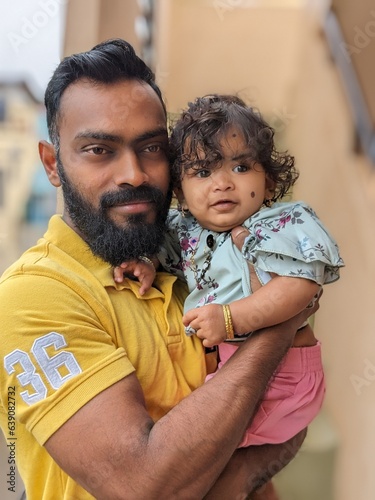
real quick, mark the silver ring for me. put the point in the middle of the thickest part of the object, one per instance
(189, 330)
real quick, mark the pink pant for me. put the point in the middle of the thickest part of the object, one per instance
(293, 398)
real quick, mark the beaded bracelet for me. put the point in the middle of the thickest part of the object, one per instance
(147, 260)
(228, 322)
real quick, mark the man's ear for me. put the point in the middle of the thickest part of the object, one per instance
(47, 154)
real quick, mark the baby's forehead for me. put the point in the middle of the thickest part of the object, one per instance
(226, 142)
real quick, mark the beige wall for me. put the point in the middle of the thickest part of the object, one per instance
(357, 20)
(204, 46)
(89, 22)
(340, 185)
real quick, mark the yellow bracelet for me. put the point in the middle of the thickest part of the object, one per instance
(228, 322)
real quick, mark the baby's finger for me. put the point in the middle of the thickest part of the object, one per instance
(189, 317)
(118, 274)
(146, 284)
(208, 343)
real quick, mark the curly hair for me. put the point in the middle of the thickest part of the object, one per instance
(196, 136)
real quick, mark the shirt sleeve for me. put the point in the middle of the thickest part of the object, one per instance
(288, 239)
(58, 353)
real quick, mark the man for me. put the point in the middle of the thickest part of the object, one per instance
(109, 401)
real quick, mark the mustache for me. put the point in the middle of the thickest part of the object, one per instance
(130, 194)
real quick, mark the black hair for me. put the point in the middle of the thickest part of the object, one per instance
(196, 136)
(108, 62)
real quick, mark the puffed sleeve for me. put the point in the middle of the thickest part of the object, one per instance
(288, 239)
(170, 252)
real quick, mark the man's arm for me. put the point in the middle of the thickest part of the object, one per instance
(114, 450)
(251, 468)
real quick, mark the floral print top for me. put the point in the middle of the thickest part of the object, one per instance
(287, 239)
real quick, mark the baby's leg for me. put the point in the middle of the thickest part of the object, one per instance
(292, 400)
(225, 352)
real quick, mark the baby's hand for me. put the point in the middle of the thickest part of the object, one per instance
(208, 322)
(142, 269)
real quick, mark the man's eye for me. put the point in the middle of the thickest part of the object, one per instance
(97, 150)
(240, 168)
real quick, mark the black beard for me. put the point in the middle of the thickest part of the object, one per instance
(105, 238)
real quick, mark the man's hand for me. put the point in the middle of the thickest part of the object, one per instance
(253, 467)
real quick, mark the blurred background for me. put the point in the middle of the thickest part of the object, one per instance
(309, 66)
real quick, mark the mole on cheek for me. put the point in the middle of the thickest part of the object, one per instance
(252, 194)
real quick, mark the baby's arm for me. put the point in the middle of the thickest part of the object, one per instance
(280, 299)
(144, 269)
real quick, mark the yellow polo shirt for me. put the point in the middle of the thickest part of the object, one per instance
(68, 332)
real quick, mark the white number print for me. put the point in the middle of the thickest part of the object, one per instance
(57, 369)
(28, 376)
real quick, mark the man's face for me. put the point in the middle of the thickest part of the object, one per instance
(113, 167)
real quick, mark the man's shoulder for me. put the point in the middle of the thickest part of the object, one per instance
(40, 292)
(45, 270)
(26, 262)
(59, 255)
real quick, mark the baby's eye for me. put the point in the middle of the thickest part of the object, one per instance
(202, 173)
(154, 148)
(240, 168)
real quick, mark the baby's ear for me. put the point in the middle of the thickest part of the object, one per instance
(180, 198)
(270, 188)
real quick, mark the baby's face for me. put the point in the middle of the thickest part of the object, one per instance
(223, 197)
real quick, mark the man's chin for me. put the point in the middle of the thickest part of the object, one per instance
(132, 220)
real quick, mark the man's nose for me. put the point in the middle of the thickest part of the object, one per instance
(129, 170)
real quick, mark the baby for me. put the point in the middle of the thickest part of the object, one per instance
(227, 173)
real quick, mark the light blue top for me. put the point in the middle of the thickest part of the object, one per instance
(287, 239)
